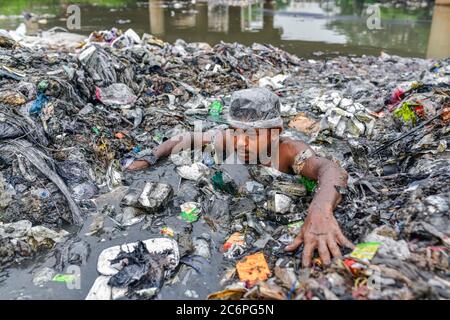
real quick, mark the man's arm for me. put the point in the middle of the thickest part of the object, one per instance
(320, 230)
(174, 145)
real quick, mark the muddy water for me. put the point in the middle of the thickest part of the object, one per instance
(300, 27)
(17, 282)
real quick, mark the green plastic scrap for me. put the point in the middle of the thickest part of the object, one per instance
(43, 85)
(294, 227)
(66, 278)
(96, 130)
(405, 113)
(309, 184)
(219, 183)
(191, 215)
(215, 109)
(158, 138)
(296, 224)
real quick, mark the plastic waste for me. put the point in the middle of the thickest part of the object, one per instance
(64, 278)
(254, 108)
(117, 94)
(309, 184)
(40, 234)
(223, 182)
(193, 172)
(252, 269)
(236, 239)
(99, 65)
(153, 196)
(389, 246)
(228, 294)
(167, 231)
(215, 109)
(274, 83)
(156, 257)
(11, 73)
(343, 116)
(190, 211)
(279, 203)
(365, 251)
(43, 276)
(12, 98)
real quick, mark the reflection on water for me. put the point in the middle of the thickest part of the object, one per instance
(439, 44)
(301, 27)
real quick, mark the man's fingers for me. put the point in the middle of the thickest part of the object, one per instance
(323, 252)
(295, 244)
(308, 251)
(333, 247)
(343, 241)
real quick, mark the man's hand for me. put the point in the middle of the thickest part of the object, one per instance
(137, 165)
(320, 231)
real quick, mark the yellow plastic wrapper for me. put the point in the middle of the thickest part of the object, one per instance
(365, 251)
(167, 231)
(253, 269)
(229, 294)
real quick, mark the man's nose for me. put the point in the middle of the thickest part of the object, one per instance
(242, 140)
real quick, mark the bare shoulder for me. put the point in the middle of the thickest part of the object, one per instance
(293, 147)
(295, 153)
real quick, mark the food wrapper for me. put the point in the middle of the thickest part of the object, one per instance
(252, 269)
(229, 294)
(167, 231)
(190, 211)
(365, 251)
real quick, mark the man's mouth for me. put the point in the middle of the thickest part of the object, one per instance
(245, 155)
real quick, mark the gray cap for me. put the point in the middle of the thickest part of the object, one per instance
(255, 108)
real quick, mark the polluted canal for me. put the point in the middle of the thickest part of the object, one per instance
(74, 224)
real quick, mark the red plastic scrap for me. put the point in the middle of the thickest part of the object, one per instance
(446, 115)
(397, 95)
(420, 111)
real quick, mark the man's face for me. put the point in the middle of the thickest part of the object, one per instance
(250, 143)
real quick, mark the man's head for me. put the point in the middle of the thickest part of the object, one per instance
(256, 122)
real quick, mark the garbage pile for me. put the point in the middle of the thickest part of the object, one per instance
(68, 116)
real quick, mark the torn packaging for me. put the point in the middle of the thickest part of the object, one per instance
(140, 269)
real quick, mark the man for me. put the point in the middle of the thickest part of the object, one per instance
(253, 136)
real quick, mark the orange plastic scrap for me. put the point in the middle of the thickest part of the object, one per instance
(229, 294)
(446, 114)
(119, 135)
(354, 267)
(252, 269)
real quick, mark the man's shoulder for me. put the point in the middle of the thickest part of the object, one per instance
(292, 146)
(290, 141)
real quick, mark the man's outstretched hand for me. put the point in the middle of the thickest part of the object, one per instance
(137, 165)
(320, 231)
